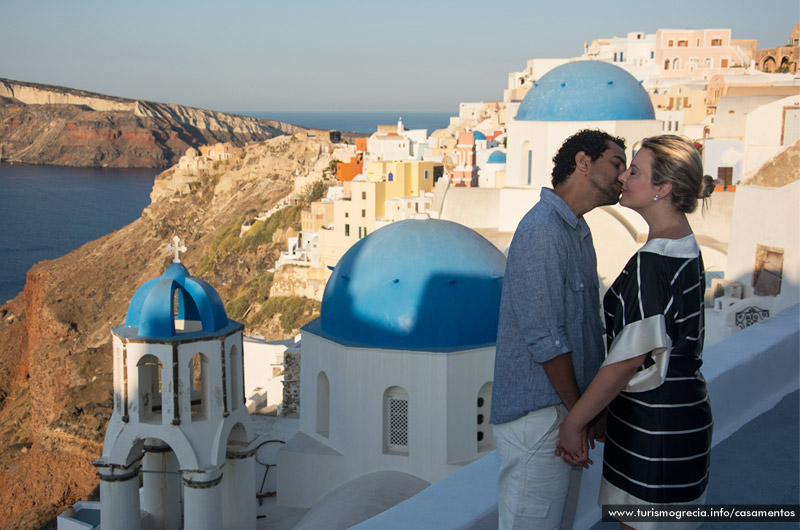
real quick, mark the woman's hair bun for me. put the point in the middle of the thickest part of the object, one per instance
(707, 186)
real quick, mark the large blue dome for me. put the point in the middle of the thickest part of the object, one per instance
(415, 285)
(151, 308)
(586, 91)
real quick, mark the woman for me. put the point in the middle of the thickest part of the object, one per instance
(658, 430)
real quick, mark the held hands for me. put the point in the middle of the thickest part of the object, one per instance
(574, 444)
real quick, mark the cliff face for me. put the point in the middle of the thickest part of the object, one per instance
(41, 124)
(55, 359)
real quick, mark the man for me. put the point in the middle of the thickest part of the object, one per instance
(550, 338)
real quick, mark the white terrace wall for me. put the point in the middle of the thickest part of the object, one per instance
(762, 358)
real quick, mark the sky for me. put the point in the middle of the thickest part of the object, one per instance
(320, 55)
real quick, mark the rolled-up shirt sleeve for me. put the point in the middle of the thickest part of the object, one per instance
(539, 288)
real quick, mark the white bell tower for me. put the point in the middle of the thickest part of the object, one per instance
(179, 418)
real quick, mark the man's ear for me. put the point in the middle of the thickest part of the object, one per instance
(582, 161)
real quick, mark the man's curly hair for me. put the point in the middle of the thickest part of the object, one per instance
(590, 141)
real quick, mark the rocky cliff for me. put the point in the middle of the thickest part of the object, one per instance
(42, 124)
(55, 367)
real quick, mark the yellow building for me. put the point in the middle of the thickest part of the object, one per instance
(320, 214)
(403, 178)
(365, 211)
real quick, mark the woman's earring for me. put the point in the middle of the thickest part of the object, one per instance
(655, 199)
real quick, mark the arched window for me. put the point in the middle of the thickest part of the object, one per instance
(666, 64)
(676, 64)
(709, 62)
(391, 177)
(485, 434)
(198, 375)
(149, 381)
(395, 421)
(323, 404)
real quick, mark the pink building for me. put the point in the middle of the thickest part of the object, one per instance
(699, 53)
(465, 173)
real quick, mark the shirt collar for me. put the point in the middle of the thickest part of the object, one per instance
(558, 204)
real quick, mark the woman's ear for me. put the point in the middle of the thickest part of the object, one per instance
(664, 189)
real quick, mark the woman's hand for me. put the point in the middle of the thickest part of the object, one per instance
(573, 445)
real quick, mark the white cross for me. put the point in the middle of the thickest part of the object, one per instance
(177, 248)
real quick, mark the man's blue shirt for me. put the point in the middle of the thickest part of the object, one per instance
(550, 306)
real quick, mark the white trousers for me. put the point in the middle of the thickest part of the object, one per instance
(536, 489)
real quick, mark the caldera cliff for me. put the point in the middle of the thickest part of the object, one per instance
(43, 124)
(55, 354)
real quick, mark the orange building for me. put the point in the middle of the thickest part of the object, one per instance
(346, 171)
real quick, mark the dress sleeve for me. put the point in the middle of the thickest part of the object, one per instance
(640, 324)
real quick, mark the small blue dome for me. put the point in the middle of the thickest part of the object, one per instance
(479, 135)
(415, 285)
(586, 91)
(151, 308)
(497, 157)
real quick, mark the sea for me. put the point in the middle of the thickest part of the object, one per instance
(48, 211)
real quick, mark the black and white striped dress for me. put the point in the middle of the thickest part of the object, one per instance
(658, 435)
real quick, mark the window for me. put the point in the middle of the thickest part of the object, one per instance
(768, 271)
(426, 174)
(277, 371)
(683, 43)
(395, 420)
(666, 64)
(198, 375)
(615, 56)
(359, 232)
(724, 63)
(716, 42)
(391, 177)
(323, 404)
(485, 434)
(670, 43)
(363, 213)
(149, 379)
(652, 55)
(347, 230)
(622, 57)
(363, 195)
(347, 214)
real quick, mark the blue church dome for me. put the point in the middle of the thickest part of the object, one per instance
(497, 157)
(586, 91)
(479, 135)
(151, 308)
(415, 285)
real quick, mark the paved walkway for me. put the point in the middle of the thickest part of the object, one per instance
(758, 464)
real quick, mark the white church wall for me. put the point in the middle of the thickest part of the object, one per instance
(472, 207)
(261, 359)
(442, 391)
(467, 373)
(764, 132)
(544, 139)
(766, 219)
(723, 152)
(514, 204)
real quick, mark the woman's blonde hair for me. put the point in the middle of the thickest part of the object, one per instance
(677, 161)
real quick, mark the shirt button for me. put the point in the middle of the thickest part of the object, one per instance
(581, 285)
(558, 342)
